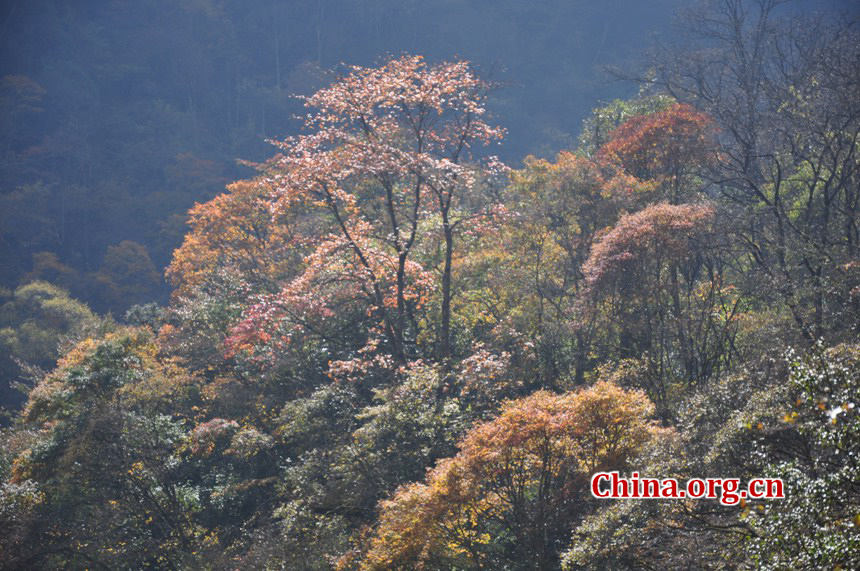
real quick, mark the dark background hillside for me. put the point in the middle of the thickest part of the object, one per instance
(118, 116)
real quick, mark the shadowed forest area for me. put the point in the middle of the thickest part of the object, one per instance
(382, 285)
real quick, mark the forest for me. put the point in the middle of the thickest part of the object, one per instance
(361, 286)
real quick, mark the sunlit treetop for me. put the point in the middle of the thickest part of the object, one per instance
(521, 477)
(665, 145)
(405, 82)
(389, 164)
(125, 364)
(405, 118)
(662, 230)
(236, 230)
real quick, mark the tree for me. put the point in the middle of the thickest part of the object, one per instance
(518, 484)
(596, 128)
(236, 231)
(668, 147)
(658, 280)
(788, 163)
(816, 525)
(127, 276)
(389, 155)
(106, 425)
(523, 279)
(38, 321)
(796, 421)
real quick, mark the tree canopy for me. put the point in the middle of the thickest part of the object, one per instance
(387, 349)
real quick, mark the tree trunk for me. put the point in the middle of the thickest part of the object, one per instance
(445, 332)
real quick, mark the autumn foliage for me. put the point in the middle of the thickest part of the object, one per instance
(656, 285)
(517, 484)
(386, 164)
(237, 231)
(624, 257)
(666, 146)
(387, 350)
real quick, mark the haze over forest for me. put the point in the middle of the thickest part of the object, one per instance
(381, 284)
(137, 110)
(139, 92)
